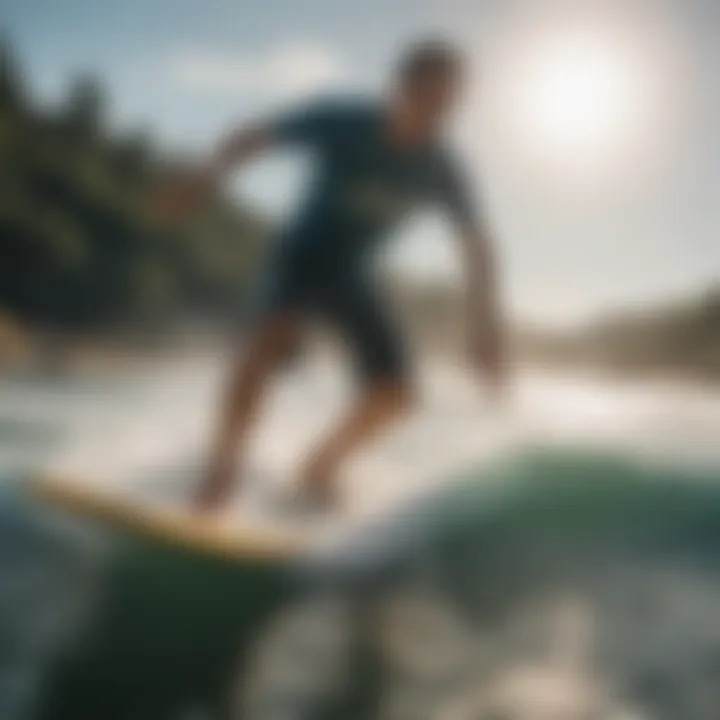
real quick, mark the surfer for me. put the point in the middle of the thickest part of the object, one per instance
(375, 160)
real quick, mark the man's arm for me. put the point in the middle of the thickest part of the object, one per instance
(485, 320)
(183, 196)
(307, 125)
(237, 149)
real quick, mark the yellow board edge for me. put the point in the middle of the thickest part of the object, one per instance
(179, 528)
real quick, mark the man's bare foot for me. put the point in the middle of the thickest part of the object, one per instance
(206, 502)
(318, 483)
(314, 493)
(214, 492)
(297, 500)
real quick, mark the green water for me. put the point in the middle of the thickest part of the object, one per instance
(167, 630)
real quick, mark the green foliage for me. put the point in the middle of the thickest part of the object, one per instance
(78, 248)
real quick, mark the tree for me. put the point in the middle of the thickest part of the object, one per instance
(77, 246)
(12, 94)
(85, 109)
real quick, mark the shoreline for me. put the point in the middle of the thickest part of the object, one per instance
(42, 353)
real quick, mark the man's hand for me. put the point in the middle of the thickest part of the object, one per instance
(182, 196)
(486, 330)
(487, 356)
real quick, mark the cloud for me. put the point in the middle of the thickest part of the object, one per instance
(287, 70)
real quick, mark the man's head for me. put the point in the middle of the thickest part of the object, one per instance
(428, 80)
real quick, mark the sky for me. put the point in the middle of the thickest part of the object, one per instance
(589, 130)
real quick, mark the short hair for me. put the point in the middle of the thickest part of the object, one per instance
(429, 57)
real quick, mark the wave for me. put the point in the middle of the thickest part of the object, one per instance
(622, 550)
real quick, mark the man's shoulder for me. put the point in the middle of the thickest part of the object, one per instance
(348, 108)
(442, 153)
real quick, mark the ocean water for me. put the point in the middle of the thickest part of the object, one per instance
(567, 564)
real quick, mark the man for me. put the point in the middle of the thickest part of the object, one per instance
(375, 161)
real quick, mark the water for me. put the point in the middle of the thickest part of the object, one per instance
(651, 619)
(115, 428)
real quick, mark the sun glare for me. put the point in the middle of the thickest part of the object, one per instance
(577, 97)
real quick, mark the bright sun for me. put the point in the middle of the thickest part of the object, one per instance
(577, 97)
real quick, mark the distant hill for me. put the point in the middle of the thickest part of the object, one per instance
(680, 338)
(676, 339)
(78, 249)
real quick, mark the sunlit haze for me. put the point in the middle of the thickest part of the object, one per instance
(578, 98)
(589, 128)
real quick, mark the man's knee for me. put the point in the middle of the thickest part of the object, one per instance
(264, 351)
(399, 395)
(271, 343)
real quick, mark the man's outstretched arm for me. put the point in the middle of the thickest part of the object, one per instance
(184, 195)
(307, 125)
(238, 148)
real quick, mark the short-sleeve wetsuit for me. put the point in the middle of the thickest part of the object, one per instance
(363, 186)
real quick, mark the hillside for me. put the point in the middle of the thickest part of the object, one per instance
(680, 338)
(79, 251)
(676, 339)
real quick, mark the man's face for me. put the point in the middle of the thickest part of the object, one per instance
(430, 99)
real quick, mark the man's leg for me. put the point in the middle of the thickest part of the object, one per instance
(352, 303)
(380, 405)
(266, 350)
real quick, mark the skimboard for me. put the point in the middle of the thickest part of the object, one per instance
(241, 538)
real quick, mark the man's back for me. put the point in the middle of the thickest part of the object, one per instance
(365, 183)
